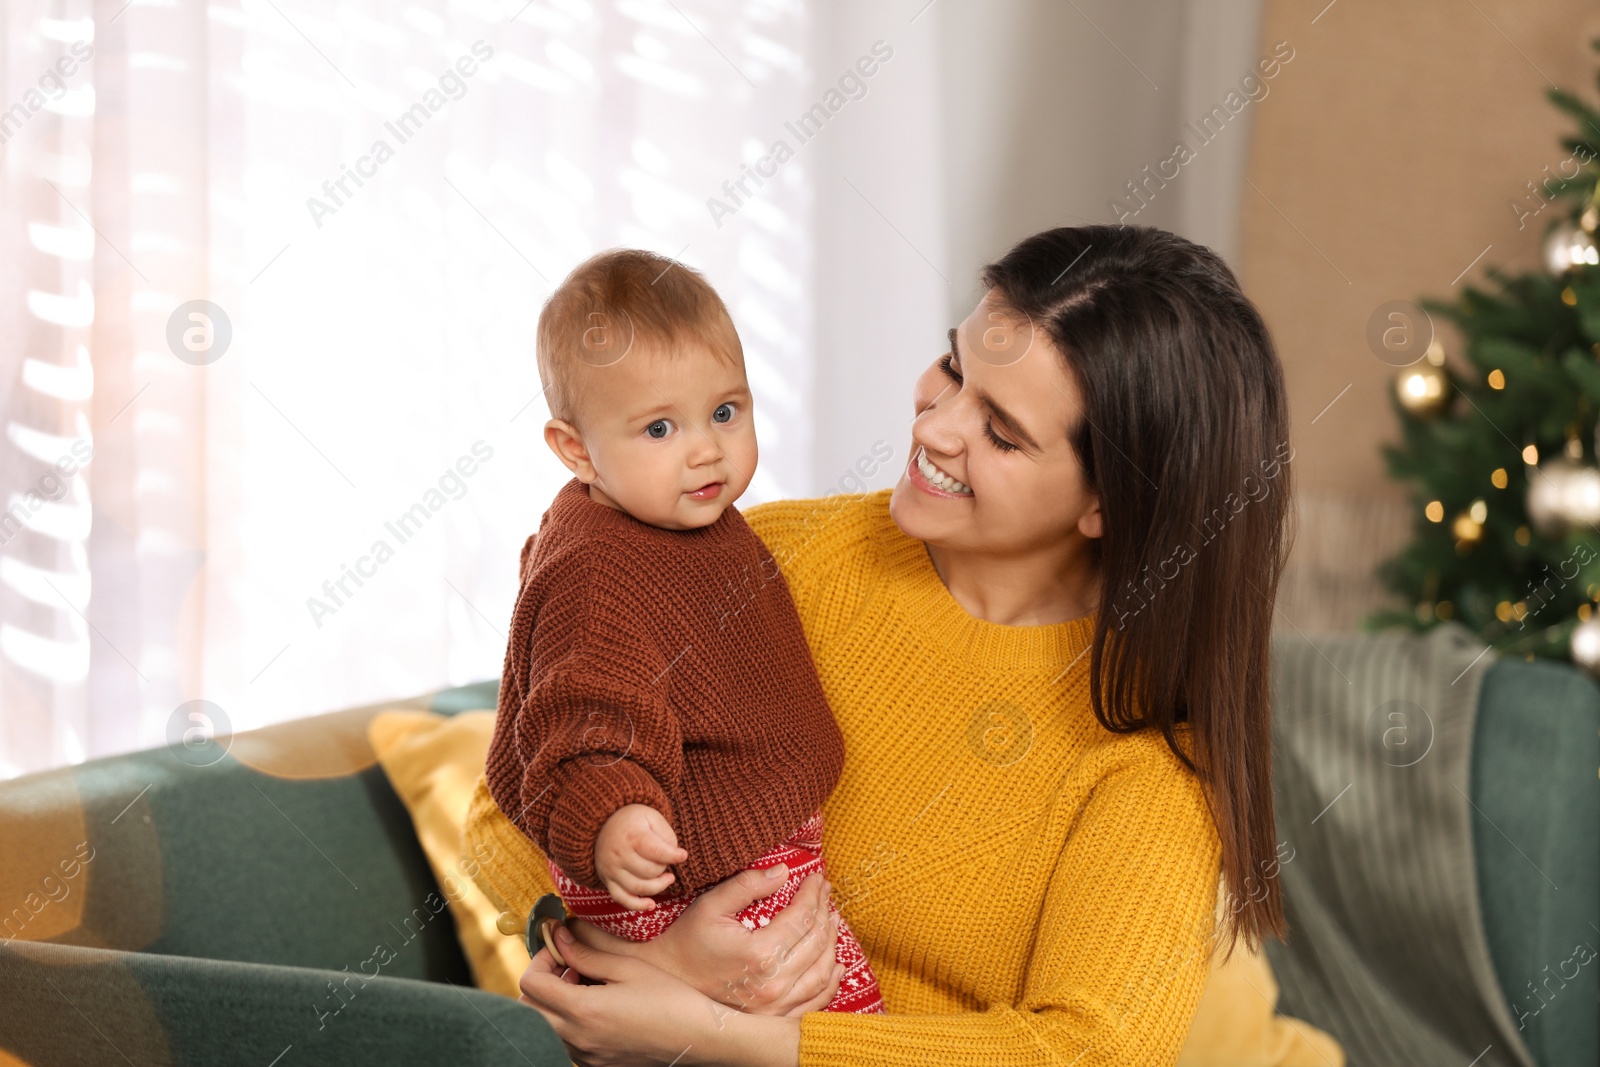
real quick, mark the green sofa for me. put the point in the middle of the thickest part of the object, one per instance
(232, 916)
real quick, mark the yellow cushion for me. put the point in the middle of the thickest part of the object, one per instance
(513, 873)
(1238, 1025)
(433, 762)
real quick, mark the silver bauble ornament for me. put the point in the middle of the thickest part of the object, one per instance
(1585, 647)
(1563, 495)
(1567, 247)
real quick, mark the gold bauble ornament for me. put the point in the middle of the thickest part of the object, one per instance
(1563, 495)
(1569, 247)
(1424, 389)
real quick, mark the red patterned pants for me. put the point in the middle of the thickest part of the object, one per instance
(802, 851)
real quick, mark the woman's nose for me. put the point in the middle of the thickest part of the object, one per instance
(935, 429)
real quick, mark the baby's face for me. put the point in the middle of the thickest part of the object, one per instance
(672, 439)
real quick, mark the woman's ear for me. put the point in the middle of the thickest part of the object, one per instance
(1089, 523)
(563, 439)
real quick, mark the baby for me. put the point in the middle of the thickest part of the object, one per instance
(661, 725)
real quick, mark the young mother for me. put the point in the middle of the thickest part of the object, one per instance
(1048, 651)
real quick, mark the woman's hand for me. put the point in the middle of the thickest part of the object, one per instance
(642, 1015)
(786, 968)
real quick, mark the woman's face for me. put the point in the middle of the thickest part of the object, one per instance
(991, 469)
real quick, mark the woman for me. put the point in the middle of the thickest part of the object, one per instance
(1048, 651)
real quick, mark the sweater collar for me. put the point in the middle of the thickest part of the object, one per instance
(940, 618)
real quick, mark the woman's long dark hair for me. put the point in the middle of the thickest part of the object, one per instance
(1184, 439)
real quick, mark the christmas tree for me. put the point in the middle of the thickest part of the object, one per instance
(1500, 446)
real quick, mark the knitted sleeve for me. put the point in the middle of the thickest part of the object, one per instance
(1112, 983)
(593, 730)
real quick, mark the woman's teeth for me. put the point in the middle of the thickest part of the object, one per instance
(939, 477)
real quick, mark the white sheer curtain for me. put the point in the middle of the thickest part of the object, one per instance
(303, 248)
(47, 279)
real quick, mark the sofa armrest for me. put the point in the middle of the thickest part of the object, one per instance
(284, 845)
(1536, 839)
(71, 1005)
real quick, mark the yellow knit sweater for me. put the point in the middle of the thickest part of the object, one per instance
(1029, 887)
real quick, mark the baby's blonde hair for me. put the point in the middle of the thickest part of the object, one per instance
(619, 304)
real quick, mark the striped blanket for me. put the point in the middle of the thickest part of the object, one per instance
(1372, 741)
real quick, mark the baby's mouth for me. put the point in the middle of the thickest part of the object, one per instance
(709, 491)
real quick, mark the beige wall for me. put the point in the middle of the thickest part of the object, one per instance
(1389, 151)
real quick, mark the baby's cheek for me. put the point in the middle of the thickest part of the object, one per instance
(630, 469)
(746, 455)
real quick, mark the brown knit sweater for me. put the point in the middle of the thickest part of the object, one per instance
(660, 667)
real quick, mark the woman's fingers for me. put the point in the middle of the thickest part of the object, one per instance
(794, 931)
(830, 917)
(625, 1012)
(591, 963)
(796, 956)
(732, 895)
(562, 999)
(543, 964)
(815, 986)
(542, 983)
(594, 937)
(750, 970)
(813, 899)
(543, 980)
(825, 978)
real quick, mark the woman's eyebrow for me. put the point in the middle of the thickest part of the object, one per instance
(1004, 417)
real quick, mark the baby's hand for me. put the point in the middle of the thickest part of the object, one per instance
(631, 855)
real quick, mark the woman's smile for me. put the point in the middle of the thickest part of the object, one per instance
(930, 478)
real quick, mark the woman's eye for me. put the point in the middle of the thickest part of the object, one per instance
(995, 439)
(659, 429)
(724, 413)
(946, 364)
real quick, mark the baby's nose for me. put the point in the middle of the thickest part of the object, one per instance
(705, 450)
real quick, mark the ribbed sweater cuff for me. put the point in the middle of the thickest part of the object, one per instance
(587, 794)
(997, 1038)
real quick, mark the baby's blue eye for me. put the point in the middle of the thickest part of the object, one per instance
(724, 413)
(659, 429)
